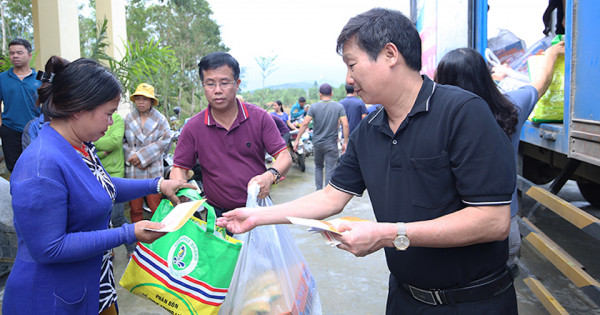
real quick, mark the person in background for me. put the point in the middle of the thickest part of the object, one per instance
(373, 108)
(355, 108)
(229, 139)
(18, 92)
(466, 68)
(32, 129)
(439, 181)
(297, 109)
(278, 111)
(62, 199)
(110, 152)
(284, 130)
(147, 137)
(327, 115)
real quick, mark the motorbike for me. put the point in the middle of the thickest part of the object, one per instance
(304, 150)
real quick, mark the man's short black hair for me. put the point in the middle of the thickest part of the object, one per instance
(21, 41)
(375, 28)
(325, 89)
(301, 99)
(216, 60)
(349, 89)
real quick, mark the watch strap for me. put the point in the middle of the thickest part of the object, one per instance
(275, 172)
(401, 229)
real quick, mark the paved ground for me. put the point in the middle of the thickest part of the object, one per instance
(346, 284)
(350, 285)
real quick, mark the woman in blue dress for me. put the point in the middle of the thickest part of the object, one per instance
(62, 197)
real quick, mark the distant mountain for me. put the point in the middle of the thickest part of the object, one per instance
(294, 85)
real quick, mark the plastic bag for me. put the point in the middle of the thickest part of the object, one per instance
(507, 46)
(536, 49)
(550, 107)
(272, 276)
(513, 79)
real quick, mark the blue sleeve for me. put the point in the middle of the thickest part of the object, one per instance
(524, 99)
(26, 136)
(129, 188)
(363, 109)
(41, 219)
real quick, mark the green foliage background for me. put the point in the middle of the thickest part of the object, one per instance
(165, 41)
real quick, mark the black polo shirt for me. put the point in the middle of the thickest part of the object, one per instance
(447, 154)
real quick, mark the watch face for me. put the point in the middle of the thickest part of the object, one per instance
(401, 242)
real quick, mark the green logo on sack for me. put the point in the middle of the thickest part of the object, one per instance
(183, 257)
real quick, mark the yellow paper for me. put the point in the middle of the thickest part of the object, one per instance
(327, 229)
(179, 215)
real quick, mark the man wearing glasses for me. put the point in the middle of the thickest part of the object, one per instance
(229, 139)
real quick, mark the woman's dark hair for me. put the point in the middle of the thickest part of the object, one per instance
(77, 86)
(466, 68)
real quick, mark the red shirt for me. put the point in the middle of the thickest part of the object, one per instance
(228, 158)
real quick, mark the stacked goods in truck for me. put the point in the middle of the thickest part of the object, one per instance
(507, 47)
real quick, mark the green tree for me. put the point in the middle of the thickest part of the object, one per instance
(16, 20)
(313, 93)
(287, 96)
(89, 30)
(148, 63)
(184, 25)
(5, 63)
(182, 30)
(339, 92)
(96, 46)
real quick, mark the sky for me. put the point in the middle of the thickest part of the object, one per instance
(522, 18)
(302, 34)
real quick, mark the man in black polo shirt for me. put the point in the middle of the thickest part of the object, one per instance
(439, 172)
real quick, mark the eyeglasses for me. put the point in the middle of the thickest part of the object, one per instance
(223, 84)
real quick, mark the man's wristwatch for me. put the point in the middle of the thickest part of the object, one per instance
(275, 172)
(401, 242)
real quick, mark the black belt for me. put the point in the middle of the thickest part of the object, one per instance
(481, 289)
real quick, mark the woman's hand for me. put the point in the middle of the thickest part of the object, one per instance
(146, 236)
(237, 221)
(556, 49)
(169, 188)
